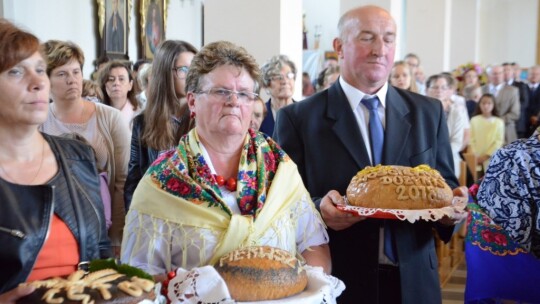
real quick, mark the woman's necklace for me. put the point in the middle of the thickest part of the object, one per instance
(37, 172)
(230, 183)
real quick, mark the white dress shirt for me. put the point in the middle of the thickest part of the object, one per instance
(361, 113)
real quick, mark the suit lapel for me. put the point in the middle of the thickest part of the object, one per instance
(345, 126)
(398, 127)
(535, 92)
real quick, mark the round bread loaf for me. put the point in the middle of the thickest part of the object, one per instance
(261, 273)
(103, 286)
(398, 187)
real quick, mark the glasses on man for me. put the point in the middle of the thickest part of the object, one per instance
(181, 71)
(442, 88)
(280, 77)
(225, 95)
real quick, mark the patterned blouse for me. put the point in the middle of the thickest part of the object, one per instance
(510, 191)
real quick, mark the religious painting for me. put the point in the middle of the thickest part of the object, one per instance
(114, 27)
(153, 19)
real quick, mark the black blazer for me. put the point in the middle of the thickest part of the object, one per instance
(322, 136)
(141, 157)
(267, 125)
(534, 106)
(522, 123)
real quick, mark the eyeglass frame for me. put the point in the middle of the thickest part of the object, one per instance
(184, 69)
(280, 77)
(438, 88)
(218, 93)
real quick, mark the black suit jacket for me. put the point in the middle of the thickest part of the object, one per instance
(522, 123)
(140, 158)
(534, 106)
(322, 136)
(267, 125)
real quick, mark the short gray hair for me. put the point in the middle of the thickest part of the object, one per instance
(273, 67)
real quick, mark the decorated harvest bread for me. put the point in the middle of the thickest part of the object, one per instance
(398, 187)
(101, 286)
(261, 273)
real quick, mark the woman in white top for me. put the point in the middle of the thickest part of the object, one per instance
(456, 115)
(225, 186)
(116, 82)
(102, 126)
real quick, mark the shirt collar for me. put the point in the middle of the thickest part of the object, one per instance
(354, 95)
(497, 87)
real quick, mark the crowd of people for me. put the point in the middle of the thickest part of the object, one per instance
(175, 162)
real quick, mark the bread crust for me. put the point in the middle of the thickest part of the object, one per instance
(261, 273)
(399, 187)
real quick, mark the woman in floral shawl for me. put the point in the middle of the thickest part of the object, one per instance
(225, 186)
(503, 236)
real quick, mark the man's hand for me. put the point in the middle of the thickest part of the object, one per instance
(13, 295)
(458, 192)
(333, 217)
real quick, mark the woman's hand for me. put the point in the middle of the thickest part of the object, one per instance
(333, 217)
(319, 256)
(13, 295)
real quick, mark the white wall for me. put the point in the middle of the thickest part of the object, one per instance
(55, 23)
(508, 31)
(263, 28)
(464, 32)
(448, 33)
(425, 34)
(485, 31)
(323, 21)
(76, 20)
(184, 21)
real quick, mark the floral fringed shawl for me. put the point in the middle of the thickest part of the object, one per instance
(178, 195)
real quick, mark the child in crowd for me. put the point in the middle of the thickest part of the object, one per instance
(401, 77)
(487, 130)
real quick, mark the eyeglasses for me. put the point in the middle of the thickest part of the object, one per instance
(181, 71)
(280, 77)
(225, 95)
(442, 88)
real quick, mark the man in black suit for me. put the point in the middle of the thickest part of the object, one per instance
(533, 110)
(327, 136)
(521, 124)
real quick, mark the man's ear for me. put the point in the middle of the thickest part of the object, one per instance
(338, 47)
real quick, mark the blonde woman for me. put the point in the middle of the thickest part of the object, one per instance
(401, 77)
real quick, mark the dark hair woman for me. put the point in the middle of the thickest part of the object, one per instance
(166, 116)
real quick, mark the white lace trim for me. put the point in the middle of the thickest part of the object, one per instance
(205, 285)
(456, 212)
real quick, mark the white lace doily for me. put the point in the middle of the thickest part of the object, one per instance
(205, 285)
(456, 212)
